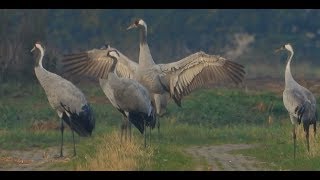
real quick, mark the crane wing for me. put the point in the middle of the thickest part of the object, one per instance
(296, 101)
(96, 63)
(197, 70)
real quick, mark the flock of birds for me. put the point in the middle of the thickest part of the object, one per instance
(139, 90)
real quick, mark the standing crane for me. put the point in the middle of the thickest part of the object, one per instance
(299, 102)
(181, 77)
(126, 95)
(66, 99)
(78, 64)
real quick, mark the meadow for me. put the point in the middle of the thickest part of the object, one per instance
(207, 117)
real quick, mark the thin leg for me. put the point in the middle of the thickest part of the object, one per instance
(294, 141)
(307, 137)
(126, 129)
(61, 129)
(306, 130)
(145, 134)
(315, 129)
(129, 126)
(122, 127)
(74, 144)
(150, 134)
(158, 125)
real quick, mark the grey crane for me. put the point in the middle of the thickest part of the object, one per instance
(181, 77)
(177, 78)
(299, 101)
(66, 99)
(77, 64)
(129, 97)
(126, 95)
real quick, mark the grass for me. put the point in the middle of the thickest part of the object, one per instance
(207, 117)
(114, 155)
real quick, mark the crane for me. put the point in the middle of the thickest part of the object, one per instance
(299, 101)
(66, 99)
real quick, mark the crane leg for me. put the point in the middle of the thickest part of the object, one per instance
(129, 126)
(150, 134)
(315, 129)
(158, 125)
(294, 140)
(74, 144)
(306, 130)
(61, 129)
(307, 137)
(122, 127)
(126, 129)
(145, 133)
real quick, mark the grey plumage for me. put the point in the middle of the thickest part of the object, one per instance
(66, 99)
(182, 77)
(127, 95)
(178, 78)
(299, 101)
(97, 63)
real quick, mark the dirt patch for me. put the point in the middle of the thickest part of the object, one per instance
(220, 158)
(31, 160)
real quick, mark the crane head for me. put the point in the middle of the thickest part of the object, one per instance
(137, 23)
(113, 53)
(105, 46)
(38, 45)
(285, 47)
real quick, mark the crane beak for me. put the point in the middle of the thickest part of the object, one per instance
(277, 50)
(131, 26)
(33, 49)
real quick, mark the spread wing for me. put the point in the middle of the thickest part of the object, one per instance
(96, 63)
(197, 70)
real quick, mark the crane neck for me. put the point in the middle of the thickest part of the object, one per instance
(113, 66)
(112, 76)
(288, 76)
(145, 58)
(39, 59)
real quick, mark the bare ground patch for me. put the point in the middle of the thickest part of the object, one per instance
(220, 158)
(31, 160)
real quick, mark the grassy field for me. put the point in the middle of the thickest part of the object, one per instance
(207, 117)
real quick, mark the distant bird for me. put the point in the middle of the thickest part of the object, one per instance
(178, 78)
(66, 99)
(299, 102)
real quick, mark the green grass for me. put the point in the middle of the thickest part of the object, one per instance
(207, 117)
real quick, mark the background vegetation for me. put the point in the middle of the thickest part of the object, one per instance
(248, 36)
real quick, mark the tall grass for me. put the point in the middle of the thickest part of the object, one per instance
(112, 154)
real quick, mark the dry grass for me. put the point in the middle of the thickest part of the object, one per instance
(3, 132)
(314, 144)
(44, 126)
(112, 155)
